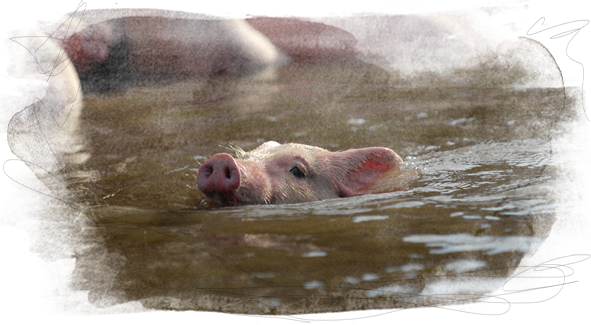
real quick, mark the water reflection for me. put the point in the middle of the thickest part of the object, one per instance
(445, 244)
(461, 266)
(442, 288)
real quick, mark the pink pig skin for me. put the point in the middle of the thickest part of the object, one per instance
(87, 44)
(292, 173)
(380, 28)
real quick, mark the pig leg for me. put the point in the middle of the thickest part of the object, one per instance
(49, 76)
(380, 28)
(180, 42)
(87, 44)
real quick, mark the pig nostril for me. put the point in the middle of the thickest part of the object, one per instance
(208, 170)
(228, 173)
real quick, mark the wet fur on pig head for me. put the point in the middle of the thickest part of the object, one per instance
(292, 173)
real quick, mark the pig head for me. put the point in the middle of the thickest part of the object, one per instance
(292, 173)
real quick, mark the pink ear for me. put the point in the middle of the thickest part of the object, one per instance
(267, 145)
(362, 168)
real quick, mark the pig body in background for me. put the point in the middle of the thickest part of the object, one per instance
(182, 42)
(331, 29)
(87, 43)
(158, 43)
(292, 173)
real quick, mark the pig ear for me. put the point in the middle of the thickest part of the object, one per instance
(363, 167)
(268, 144)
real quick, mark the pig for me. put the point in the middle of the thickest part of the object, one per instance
(163, 42)
(180, 42)
(87, 42)
(332, 29)
(277, 173)
(115, 49)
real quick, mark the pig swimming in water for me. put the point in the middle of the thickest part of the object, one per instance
(292, 173)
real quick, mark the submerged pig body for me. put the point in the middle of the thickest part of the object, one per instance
(292, 173)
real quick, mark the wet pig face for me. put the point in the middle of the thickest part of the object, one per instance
(292, 173)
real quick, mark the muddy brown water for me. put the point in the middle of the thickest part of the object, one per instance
(477, 162)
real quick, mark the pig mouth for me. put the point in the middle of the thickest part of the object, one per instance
(240, 196)
(234, 198)
(225, 200)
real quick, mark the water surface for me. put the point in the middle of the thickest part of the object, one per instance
(477, 164)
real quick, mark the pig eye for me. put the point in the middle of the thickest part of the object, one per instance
(297, 172)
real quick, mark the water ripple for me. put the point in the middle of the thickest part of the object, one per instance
(453, 243)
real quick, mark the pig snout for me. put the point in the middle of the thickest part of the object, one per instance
(95, 42)
(219, 175)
